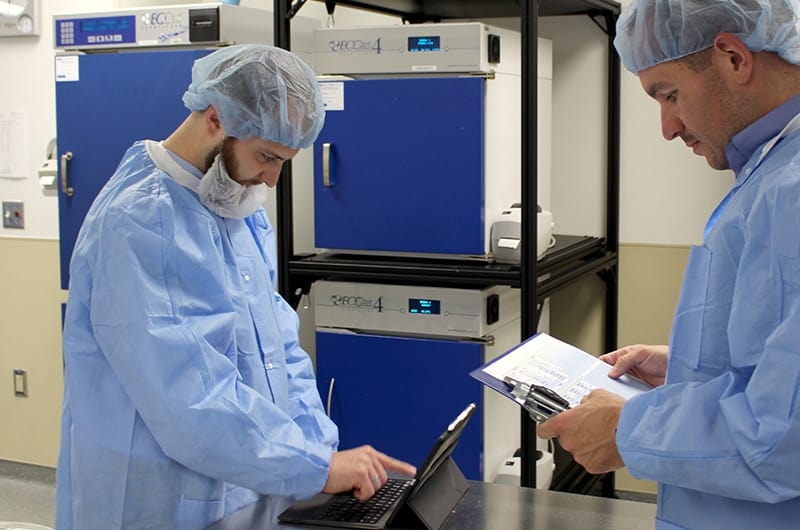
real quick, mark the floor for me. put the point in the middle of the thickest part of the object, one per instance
(27, 495)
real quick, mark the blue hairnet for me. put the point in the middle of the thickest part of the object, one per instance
(650, 32)
(259, 91)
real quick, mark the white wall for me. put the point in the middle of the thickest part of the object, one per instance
(29, 86)
(667, 192)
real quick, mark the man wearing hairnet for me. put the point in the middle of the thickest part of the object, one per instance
(721, 430)
(186, 393)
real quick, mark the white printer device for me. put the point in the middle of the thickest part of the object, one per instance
(506, 234)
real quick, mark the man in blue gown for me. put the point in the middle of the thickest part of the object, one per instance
(720, 433)
(186, 393)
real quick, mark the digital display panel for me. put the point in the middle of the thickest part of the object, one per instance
(424, 44)
(424, 306)
(106, 24)
(96, 31)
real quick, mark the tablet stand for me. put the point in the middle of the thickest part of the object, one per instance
(435, 500)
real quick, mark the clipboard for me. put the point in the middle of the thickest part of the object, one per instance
(547, 376)
(541, 402)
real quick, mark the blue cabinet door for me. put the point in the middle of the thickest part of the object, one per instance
(398, 394)
(117, 99)
(406, 167)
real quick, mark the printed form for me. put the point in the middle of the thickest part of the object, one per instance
(546, 361)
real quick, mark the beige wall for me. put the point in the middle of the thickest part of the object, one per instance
(650, 279)
(30, 327)
(649, 283)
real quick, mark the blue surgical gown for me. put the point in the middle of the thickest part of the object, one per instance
(722, 436)
(186, 393)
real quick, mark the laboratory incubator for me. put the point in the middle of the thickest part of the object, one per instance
(393, 364)
(120, 76)
(420, 152)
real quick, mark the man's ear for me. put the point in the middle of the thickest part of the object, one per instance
(213, 123)
(734, 57)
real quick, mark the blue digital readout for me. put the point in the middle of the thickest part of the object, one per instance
(105, 24)
(424, 44)
(422, 306)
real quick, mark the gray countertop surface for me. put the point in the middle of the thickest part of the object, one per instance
(489, 506)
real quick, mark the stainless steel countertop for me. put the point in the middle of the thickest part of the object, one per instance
(489, 506)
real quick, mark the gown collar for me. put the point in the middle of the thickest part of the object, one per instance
(184, 173)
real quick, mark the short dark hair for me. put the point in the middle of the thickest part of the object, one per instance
(698, 61)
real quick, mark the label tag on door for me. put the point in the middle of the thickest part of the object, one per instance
(332, 95)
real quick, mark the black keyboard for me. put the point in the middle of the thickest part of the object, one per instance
(352, 510)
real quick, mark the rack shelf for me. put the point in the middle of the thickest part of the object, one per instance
(573, 257)
(416, 11)
(570, 258)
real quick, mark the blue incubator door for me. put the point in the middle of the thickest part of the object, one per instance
(398, 393)
(400, 167)
(114, 100)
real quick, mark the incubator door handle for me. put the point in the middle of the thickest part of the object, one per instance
(65, 187)
(330, 396)
(326, 165)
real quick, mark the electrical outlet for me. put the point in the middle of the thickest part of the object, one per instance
(20, 383)
(13, 214)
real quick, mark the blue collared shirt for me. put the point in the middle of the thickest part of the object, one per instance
(746, 141)
(742, 147)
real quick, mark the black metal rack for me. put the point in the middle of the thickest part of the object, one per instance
(572, 258)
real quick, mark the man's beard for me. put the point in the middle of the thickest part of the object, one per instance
(225, 148)
(220, 191)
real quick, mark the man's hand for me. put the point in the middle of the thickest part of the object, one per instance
(648, 363)
(363, 470)
(588, 431)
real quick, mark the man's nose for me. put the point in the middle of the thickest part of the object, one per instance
(671, 125)
(270, 174)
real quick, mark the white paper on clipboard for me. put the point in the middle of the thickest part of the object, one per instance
(546, 361)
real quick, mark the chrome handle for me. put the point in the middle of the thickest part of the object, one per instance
(330, 396)
(65, 187)
(326, 165)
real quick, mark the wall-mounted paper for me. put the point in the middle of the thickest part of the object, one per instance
(13, 144)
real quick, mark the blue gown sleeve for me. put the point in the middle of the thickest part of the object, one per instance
(162, 313)
(305, 406)
(731, 426)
